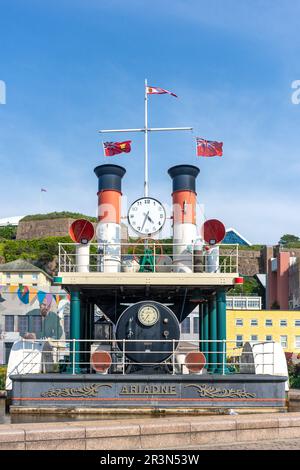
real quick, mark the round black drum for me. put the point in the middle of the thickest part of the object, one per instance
(151, 331)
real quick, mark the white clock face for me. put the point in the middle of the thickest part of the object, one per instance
(148, 315)
(146, 216)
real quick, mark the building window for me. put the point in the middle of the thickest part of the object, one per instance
(34, 277)
(297, 342)
(239, 341)
(254, 322)
(283, 322)
(185, 326)
(20, 276)
(269, 322)
(254, 338)
(240, 304)
(9, 323)
(196, 325)
(283, 341)
(254, 303)
(7, 276)
(269, 338)
(36, 325)
(34, 284)
(22, 324)
(297, 322)
(239, 322)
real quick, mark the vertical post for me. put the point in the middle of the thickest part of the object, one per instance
(123, 357)
(221, 328)
(75, 331)
(200, 344)
(213, 334)
(205, 345)
(83, 306)
(91, 309)
(173, 356)
(224, 357)
(146, 141)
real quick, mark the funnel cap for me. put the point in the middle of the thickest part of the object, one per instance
(184, 177)
(109, 177)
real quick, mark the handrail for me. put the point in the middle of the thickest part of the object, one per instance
(73, 349)
(122, 256)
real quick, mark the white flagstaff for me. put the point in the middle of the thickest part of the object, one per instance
(146, 184)
(146, 129)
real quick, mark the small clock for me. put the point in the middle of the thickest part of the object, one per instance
(146, 216)
(148, 315)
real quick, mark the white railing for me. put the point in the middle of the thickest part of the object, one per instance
(243, 302)
(144, 256)
(74, 356)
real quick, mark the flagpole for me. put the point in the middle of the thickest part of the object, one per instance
(146, 188)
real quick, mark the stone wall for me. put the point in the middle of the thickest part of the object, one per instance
(30, 229)
(250, 262)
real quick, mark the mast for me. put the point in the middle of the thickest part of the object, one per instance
(146, 130)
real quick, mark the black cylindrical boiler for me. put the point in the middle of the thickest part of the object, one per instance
(152, 324)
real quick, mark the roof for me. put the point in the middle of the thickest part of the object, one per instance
(233, 236)
(11, 220)
(262, 278)
(21, 265)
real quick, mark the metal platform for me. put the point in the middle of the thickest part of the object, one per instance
(146, 278)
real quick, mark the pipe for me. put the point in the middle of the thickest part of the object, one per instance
(108, 230)
(184, 215)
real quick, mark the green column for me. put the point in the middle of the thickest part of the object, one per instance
(212, 334)
(74, 332)
(200, 326)
(221, 329)
(205, 331)
(91, 320)
(84, 318)
(90, 328)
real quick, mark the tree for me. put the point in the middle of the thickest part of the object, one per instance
(8, 232)
(288, 238)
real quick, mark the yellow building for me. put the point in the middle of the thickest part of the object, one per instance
(282, 326)
(20, 272)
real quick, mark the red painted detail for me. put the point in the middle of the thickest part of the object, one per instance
(109, 206)
(283, 400)
(239, 280)
(184, 207)
(195, 361)
(213, 231)
(81, 231)
(101, 361)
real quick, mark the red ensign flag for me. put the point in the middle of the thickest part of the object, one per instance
(113, 148)
(209, 148)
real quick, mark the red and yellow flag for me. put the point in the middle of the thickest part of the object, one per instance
(114, 148)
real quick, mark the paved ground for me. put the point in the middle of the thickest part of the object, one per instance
(284, 444)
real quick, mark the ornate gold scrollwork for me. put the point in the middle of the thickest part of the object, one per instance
(208, 391)
(86, 391)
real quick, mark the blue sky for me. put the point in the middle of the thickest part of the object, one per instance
(72, 67)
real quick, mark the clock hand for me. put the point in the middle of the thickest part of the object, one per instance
(150, 220)
(145, 219)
